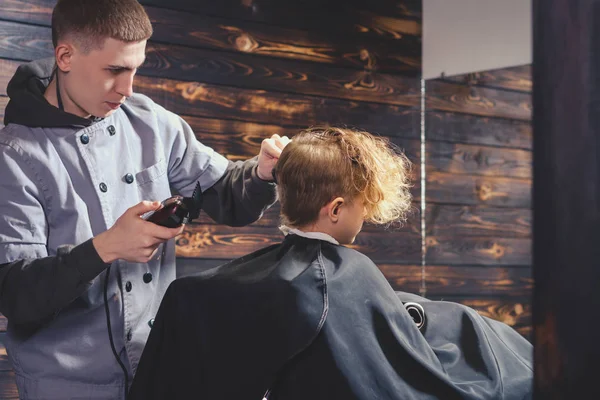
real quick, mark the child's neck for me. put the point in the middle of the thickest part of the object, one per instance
(309, 234)
(318, 227)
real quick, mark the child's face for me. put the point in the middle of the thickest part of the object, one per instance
(352, 216)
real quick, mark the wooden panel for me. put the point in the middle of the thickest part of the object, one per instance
(7, 70)
(204, 100)
(258, 106)
(478, 160)
(223, 242)
(447, 96)
(27, 42)
(389, 19)
(4, 363)
(513, 78)
(446, 220)
(468, 189)
(271, 219)
(241, 140)
(223, 68)
(462, 281)
(455, 127)
(401, 55)
(32, 11)
(379, 19)
(8, 388)
(454, 250)
(3, 103)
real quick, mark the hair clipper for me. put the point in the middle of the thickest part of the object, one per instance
(177, 210)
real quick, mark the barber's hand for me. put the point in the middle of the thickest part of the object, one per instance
(270, 150)
(132, 238)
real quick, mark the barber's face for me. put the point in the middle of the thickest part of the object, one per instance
(100, 80)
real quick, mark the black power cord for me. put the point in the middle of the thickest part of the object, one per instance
(110, 336)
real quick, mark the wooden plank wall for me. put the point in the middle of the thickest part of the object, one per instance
(478, 151)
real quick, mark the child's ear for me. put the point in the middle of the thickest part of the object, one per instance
(333, 209)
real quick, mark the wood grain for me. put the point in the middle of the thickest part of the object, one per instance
(222, 242)
(240, 140)
(376, 19)
(478, 190)
(259, 106)
(3, 103)
(24, 42)
(7, 70)
(460, 158)
(402, 55)
(446, 220)
(456, 250)
(443, 280)
(241, 70)
(483, 101)
(8, 388)
(474, 129)
(513, 78)
(27, 42)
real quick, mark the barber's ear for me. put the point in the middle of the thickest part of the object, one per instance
(64, 54)
(334, 209)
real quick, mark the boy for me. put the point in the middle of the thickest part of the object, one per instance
(312, 319)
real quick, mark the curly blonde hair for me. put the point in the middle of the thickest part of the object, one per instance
(321, 164)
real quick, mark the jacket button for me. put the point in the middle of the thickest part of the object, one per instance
(129, 178)
(147, 277)
(129, 335)
(85, 139)
(111, 130)
(151, 323)
(103, 187)
(128, 286)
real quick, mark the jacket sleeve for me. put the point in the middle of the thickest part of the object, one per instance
(234, 194)
(34, 290)
(35, 285)
(240, 197)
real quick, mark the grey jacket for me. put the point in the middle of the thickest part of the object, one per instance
(65, 179)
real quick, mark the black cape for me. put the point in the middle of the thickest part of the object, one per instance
(307, 319)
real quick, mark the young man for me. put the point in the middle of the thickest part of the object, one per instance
(312, 319)
(82, 159)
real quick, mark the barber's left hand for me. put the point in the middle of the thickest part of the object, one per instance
(270, 150)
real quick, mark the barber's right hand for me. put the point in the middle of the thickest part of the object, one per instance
(132, 238)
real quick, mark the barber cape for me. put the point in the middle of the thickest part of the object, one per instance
(309, 319)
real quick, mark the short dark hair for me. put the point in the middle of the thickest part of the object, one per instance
(90, 22)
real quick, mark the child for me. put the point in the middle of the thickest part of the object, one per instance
(312, 319)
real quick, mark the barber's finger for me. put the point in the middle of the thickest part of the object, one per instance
(281, 142)
(270, 149)
(144, 207)
(163, 233)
